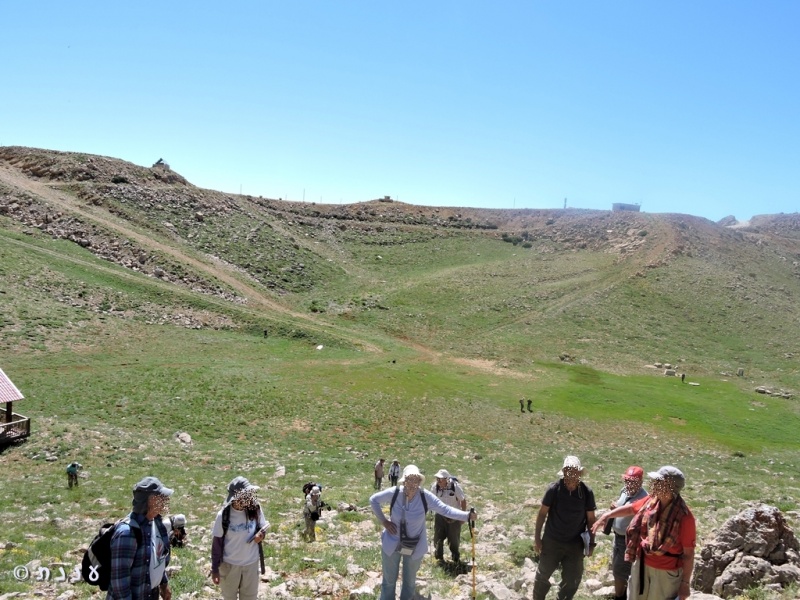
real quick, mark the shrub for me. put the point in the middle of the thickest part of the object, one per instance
(520, 550)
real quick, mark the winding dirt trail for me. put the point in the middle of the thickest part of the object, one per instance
(257, 301)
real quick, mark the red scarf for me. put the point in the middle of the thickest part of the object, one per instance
(654, 535)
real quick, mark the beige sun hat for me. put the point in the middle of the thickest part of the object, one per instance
(412, 470)
(571, 462)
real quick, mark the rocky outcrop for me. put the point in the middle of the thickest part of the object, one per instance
(753, 548)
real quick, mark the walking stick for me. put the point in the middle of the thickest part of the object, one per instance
(474, 566)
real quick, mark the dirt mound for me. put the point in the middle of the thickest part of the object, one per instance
(53, 165)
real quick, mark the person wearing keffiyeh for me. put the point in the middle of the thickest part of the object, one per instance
(661, 539)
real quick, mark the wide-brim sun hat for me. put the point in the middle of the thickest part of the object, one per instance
(238, 485)
(571, 462)
(412, 470)
(442, 474)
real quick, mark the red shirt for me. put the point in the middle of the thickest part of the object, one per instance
(687, 539)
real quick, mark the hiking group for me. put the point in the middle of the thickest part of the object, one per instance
(654, 535)
(653, 557)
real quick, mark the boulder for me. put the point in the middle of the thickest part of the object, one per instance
(753, 548)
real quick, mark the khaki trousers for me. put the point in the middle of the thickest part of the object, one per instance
(238, 582)
(658, 583)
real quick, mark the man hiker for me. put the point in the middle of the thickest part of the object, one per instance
(139, 566)
(72, 473)
(567, 512)
(448, 490)
(379, 473)
(529, 405)
(522, 405)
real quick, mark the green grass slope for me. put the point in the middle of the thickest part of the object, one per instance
(393, 331)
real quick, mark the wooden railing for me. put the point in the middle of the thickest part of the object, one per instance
(17, 429)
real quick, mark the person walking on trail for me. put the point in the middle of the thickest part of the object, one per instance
(72, 473)
(632, 491)
(139, 566)
(566, 513)
(238, 530)
(379, 473)
(404, 538)
(312, 511)
(661, 539)
(529, 405)
(448, 490)
(394, 472)
(522, 405)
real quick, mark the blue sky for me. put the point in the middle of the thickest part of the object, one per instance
(688, 107)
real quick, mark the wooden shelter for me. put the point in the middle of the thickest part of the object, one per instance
(13, 427)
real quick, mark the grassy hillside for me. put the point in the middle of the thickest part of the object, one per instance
(134, 307)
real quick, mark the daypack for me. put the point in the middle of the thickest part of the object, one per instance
(451, 485)
(307, 487)
(96, 563)
(397, 491)
(226, 522)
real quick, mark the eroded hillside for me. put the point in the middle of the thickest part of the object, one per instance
(613, 289)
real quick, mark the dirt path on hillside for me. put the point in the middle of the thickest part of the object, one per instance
(257, 301)
(255, 298)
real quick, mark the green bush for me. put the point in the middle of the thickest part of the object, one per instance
(521, 549)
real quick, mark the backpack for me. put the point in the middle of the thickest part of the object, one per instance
(96, 563)
(226, 522)
(307, 487)
(397, 491)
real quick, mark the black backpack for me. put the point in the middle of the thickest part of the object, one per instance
(307, 487)
(96, 563)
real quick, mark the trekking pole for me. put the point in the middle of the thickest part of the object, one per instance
(474, 566)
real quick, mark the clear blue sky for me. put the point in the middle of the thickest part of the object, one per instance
(682, 106)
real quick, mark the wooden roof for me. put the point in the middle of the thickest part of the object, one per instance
(8, 391)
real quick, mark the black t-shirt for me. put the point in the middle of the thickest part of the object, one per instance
(566, 517)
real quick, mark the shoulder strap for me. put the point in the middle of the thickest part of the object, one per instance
(133, 525)
(226, 519)
(397, 491)
(260, 547)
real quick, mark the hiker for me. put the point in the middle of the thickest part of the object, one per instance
(529, 405)
(522, 405)
(139, 567)
(448, 490)
(404, 536)
(238, 530)
(312, 511)
(176, 530)
(394, 472)
(72, 473)
(567, 512)
(379, 473)
(660, 539)
(631, 491)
